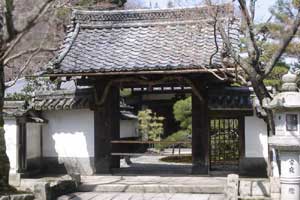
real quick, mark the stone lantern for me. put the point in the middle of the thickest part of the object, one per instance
(286, 107)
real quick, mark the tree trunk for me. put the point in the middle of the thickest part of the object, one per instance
(4, 161)
(262, 93)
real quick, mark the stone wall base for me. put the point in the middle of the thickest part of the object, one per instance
(55, 165)
(254, 188)
(253, 167)
(18, 197)
(15, 179)
(239, 188)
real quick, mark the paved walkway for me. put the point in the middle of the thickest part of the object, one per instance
(151, 165)
(139, 196)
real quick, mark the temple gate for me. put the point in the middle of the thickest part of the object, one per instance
(109, 50)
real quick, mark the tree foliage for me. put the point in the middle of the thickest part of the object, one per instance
(182, 111)
(274, 78)
(150, 125)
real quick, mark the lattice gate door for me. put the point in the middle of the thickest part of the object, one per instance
(224, 144)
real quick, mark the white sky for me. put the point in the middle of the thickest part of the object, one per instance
(262, 9)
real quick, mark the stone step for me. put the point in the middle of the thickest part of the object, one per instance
(154, 188)
(255, 198)
(139, 196)
(153, 184)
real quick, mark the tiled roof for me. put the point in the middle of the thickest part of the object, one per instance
(63, 103)
(62, 100)
(14, 108)
(142, 40)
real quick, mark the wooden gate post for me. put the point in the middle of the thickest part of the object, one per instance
(107, 128)
(200, 131)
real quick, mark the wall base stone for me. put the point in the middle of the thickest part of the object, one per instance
(18, 197)
(42, 191)
(70, 165)
(253, 167)
(275, 188)
(15, 179)
(254, 188)
(47, 191)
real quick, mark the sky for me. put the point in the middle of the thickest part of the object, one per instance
(262, 9)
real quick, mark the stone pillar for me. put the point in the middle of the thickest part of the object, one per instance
(107, 128)
(286, 108)
(290, 175)
(200, 133)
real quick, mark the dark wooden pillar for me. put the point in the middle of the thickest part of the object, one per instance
(200, 133)
(107, 128)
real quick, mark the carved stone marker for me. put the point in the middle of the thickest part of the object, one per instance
(232, 187)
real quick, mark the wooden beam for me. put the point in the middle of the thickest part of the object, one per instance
(200, 131)
(107, 128)
(147, 142)
(149, 72)
(147, 154)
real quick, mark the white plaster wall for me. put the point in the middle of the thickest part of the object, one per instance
(128, 128)
(69, 133)
(11, 130)
(33, 138)
(256, 137)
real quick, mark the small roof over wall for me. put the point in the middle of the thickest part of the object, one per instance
(63, 100)
(14, 108)
(100, 42)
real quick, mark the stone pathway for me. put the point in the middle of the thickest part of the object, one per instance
(151, 165)
(157, 180)
(140, 196)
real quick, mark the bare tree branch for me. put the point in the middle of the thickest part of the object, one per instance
(28, 51)
(44, 8)
(8, 12)
(226, 39)
(23, 68)
(215, 40)
(252, 9)
(283, 45)
(251, 41)
(33, 51)
(26, 29)
(1, 27)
